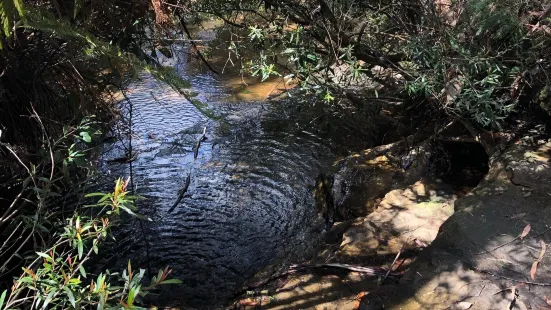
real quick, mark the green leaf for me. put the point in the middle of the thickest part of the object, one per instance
(94, 194)
(70, 296)
(132, 295)
(80, 248)
(172, 281)
(82, 271)
(125, 208)
(46, 256)
(86, 137)
(2, 297)
(20, 9)
(48, 299)
(26, 280)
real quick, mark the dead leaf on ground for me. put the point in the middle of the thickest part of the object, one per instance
(534, 270)
(464, 305)
(540, 258)
(514, 217)
(543, 249)
(525, 231)
(548, 300)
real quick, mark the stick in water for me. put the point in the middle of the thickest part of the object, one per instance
(198, 143)
(182, 193)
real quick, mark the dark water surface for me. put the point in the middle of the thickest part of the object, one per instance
(250, 197)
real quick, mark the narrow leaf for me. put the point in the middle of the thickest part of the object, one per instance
(525, 231)
(80, 248)
(26, 280)
(534, 270)
(2, 297)
(78, 6)
(70, 296)
(82, 271)
(543, 249)
(46, 256)
(20, 9)
(48, 299)
(94, 194)
(172, 281)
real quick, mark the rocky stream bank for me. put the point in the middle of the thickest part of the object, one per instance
(471, 234)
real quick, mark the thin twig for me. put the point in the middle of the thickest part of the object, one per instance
(393, 262)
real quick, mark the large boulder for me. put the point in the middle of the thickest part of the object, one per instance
(404, 219)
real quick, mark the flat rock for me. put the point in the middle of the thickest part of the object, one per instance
(404, 219)
(478, 252)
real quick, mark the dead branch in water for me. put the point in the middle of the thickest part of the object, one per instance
(182, 193)
(198, 143)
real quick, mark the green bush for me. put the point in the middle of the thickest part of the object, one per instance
(57, 277)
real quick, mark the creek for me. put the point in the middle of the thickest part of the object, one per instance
(250, 201)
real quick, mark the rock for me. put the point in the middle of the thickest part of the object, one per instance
(477, 253)
(363, 179)
(403, 216)
(543, 99)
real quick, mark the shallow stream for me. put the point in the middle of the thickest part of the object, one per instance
(250, 201)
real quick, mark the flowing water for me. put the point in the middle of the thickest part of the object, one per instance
(250, 200)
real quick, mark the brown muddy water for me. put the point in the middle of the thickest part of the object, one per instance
(250, 201)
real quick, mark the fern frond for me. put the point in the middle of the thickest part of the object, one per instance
(20, 9)
(7, 11)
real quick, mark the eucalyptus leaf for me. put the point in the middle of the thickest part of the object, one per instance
(2, 297)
